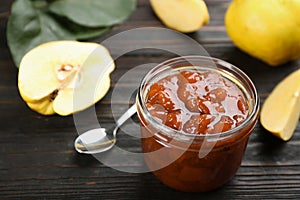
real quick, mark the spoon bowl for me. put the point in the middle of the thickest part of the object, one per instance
(99, 140)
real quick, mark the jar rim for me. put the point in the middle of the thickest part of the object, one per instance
(227, 67)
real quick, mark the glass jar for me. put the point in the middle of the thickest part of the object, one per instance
(195, 162)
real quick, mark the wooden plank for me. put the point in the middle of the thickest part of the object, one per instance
(37, 155)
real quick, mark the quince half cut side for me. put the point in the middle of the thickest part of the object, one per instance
(64, 77)
(181, 15)
(281, 111)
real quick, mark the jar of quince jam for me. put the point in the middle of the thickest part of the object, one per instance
(196, 115)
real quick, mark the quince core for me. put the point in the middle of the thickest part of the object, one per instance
(64, 77)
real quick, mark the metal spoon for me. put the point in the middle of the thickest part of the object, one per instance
(100, 140)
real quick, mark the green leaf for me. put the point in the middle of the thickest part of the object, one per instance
(28, 28)
(94, 13)
(82, 32)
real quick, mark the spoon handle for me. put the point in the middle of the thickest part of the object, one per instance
(131, 111)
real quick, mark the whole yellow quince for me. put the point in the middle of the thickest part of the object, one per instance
(266, 29)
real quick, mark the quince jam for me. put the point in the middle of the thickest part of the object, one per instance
(197, 102)
(196, 115)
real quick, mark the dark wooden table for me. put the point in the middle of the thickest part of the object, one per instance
(37, 158)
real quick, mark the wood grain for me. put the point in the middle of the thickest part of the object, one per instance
(37, 159)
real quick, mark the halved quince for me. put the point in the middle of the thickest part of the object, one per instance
(181, 15)
(281, 110)
(64, 77)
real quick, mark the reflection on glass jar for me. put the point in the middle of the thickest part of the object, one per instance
(196, 115)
